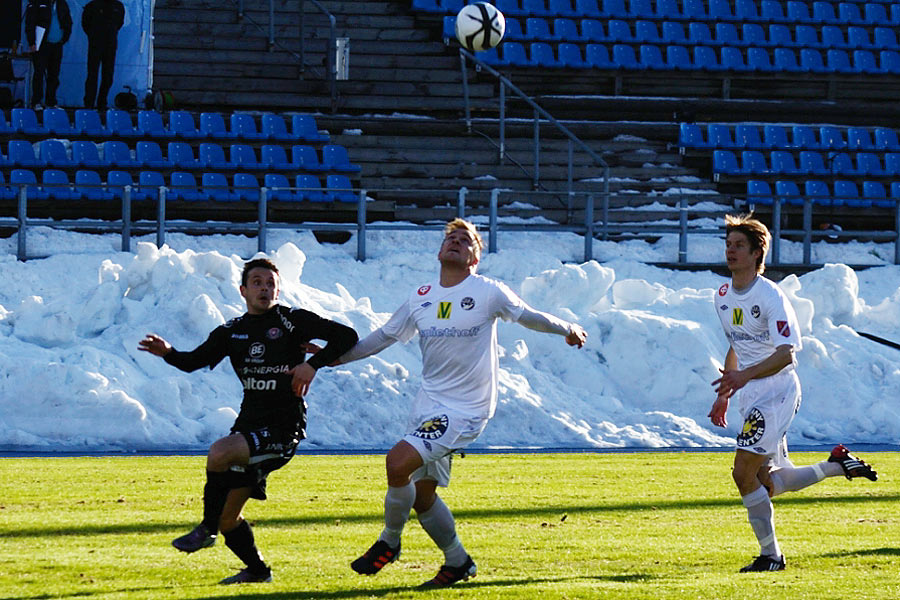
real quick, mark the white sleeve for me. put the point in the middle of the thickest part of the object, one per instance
(373, 343)
(544, 322)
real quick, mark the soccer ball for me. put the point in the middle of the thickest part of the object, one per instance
(479, 26)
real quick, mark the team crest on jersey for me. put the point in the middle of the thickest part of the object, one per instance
(257, 349)
(444, 310)
(467, 303)
(723, 290)
(737, 316)
(274, 333)
(753, 430)
(754, 311)
(783, 328)
(432, 428)
(424, 290)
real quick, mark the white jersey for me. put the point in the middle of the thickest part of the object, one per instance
(457, 329)
(757, 320)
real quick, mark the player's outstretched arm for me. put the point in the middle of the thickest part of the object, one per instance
(155, 345)
(540, 321)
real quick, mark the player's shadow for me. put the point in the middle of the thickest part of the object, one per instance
(867, 552)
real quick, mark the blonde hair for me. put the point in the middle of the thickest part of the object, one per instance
(470, 227)
(757, 234)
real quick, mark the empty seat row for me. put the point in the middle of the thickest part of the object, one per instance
(55, 121)
(148, 154)
(809, 162)
(776, 137)
(839, 193)
(672, 32)
(88, 185)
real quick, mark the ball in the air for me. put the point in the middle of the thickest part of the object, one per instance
(479, 26)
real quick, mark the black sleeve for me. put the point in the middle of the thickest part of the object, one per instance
(339, 338)
(207, 354)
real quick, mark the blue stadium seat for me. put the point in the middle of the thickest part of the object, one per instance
(889, 61)
(646, 32)
(623, 57)
(727, 35)
(150, 124)
(53, 154)
(592, 29)
(759, 192)
(305, 158)
(27, 178)
(650, 58)
(667, 10)
(747, 136)
(589, 8)
(449, 29)
(182, 155)
(785, 61)
(842, 164)
(705, 59)
(788, 192)
(885, 39)
(566, 30)
(117, 180)
(570, 56)
(811, 162)
(892, 164)
(725, 163)
(56, 121)
(833, 37)
(874, 192)
(537, 29)
(673, 33)
(694, 10)
(149, 155)
(246, 186)
(212, 156)
(56, 184)
(886, 139)
(243, 125)
(753, 162)
(244, 157)
(868, 164)
(86, 154)
(336, 158)
(831, 138)
(338, 188)
(823, 13)
(305, 129)
(430, 6)
(875, 13)
(511, 8)
(24, 120)
(775, 137)
(700, 35)
(895, 14)
(859, 138)
(858, 38)
(20, 153)
(849, 13)
(811, 60)
(732, 59)
(720, 136)
(310, 188)
(183, 186)
(772, 11)
(561, 8)
(720, 10)
(758, 60)
(273, 156)
(514, 31)
(279, 188)
(640, 9)
(87, 122)
(89, 186)
(514, 55)
(895, 191)
(846, 194)
(619, 31)
(120, 124)
(215, 187)
(804, 137)
(783, 163)
(536, 8)
(780, 36)
(117, 154)
(797, 11)
(451, 6)
(491, 57)
(181, 124)
(746, 10)
(817, 191)
(864, 62)
(807, 36)
(690, 135)
(753, 34)
(678, 59)
(597, 56)
(213, 126)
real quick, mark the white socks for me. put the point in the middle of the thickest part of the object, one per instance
(792, 479)
(762, 519)
(438, 523)
(398, 501)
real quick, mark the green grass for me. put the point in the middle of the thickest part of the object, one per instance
(643, 525)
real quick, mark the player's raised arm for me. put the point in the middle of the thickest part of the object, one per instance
(155, 345)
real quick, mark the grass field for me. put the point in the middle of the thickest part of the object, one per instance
(642, 525)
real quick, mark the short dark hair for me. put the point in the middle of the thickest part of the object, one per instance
(757, 234)
(263, 263)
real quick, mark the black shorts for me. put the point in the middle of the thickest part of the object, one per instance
(270, 449)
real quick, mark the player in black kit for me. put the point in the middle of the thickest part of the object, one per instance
(267, 348)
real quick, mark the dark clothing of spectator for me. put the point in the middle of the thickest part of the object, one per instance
(101, 21)
(47, 57)
(10, 24)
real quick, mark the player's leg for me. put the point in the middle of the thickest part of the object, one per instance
(760, 512)
(438, 522)
(240, 540)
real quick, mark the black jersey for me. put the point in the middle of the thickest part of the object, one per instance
(262, 349)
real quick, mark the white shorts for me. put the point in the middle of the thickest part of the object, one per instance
(767, 407)
(435, 436)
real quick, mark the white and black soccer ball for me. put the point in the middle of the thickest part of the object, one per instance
(480, 26)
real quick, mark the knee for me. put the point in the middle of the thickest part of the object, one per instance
(397, 471)
(219, 457)
(229, 523)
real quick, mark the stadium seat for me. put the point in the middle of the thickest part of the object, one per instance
(149, 183)
(89, 186)
(338, 188)
(640, 9)
(542, 56)
(886, 139)
(20, 153)
(213, 126)
(753, 34)
(694, 10)
(725, 163)
(859, 138)
(759, 192)
(305, 158)
(279, 188)
(24, 120)
(874, 192)
(650, 58)
(430, 6)
(875, 14)
(783, 163)
(858, 38)
(597, 56)
(673, 33)
(244, 156)
(746, 10)
(304, 128)
(831, 138)
(310, 188)
(215, 187)
(619, 31)
(117, 180)
(514, 31)
(614, 9)
(797, 11)
(733, 60)
(720, 10)
(86, 154)
(570, 56)
(273, 156)
(690, 135)
(678, 58)
(788, 192)
(623, 57)
(823, 13)
(6, 191)
(53, 154)
(182, 155)
(183, 186)
(212, 156)
(451, 6)
(804, 137)
(120, 124)
(538, 29)
(55, 184)
(592, 30)
(561, 8)
(720, 136)
(846, 194)
(780, 36)
(243, 126)
(514, 54)
(117, 154)
(149, 155)
(775, 137)
(833, 37)
(868, 164)
(246, 187)
(785, 61)
(811, 60)
(536, 8)
(56, 122)
(87, 122)
(181, 124)
(772, 11)
(849, 13)
(588, 8)
(885, 39)
(747, 136)
(811, 162)
(753, 162)
(726, 35)
(700, 35)
(807, 36)
(892, 164)
(842, 164)
(705, 59)
(667, 10)
(150, 124)
(817, 191)
(491, 57)
(758, 60)
(864, 62)
(889, 62)
(646, 32)
(895, 14)
(26, 178)
(335, 158)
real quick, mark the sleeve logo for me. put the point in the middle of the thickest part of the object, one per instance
(424, 290)
(723, 290)
(783, 328)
